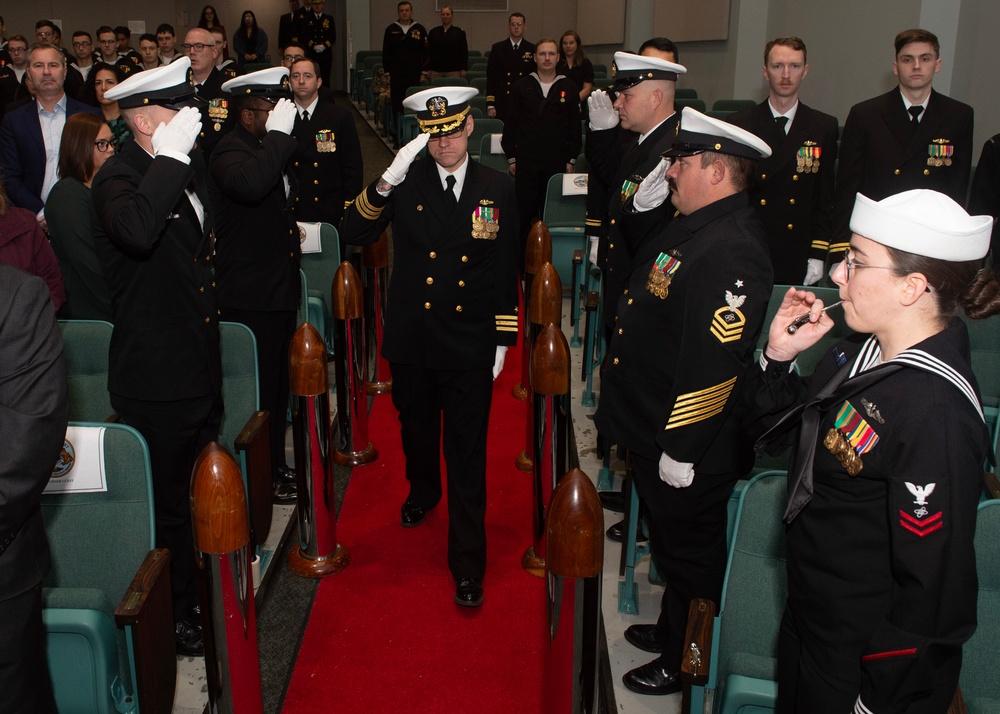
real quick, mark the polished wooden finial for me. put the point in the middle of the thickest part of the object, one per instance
(307, 362)
(550, 362)
(538, 249)
(546, 296)
(348, 293)
(575, 528)
(218, 502)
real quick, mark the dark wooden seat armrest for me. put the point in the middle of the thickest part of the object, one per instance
(255, 440)
(578, 257)
(251, 430)
(992, 484)
(146, 609)
(698, 636)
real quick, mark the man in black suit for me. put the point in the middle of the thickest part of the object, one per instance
(451, 316)
(404, 52)
(257, 242)
(29, 149)
(328, 158)
(287, 22)
(317, 31)
(672, 387)
(793, 189)
(910, 137)
(33, 414)
(165, 372)
(509, 60)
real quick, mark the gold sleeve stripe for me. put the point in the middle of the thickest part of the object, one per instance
(698, 406)
(365, 208)
(347, 204)
(593, 222)
(506, 329)
(821, 244)
(839, 247)
(507, 317)
(489, 98)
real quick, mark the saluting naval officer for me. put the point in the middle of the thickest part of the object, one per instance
(257, 242)
(328, 158)
(671, 394)
(451, 314)
(165, 373)
(909, 137)
(793, 188)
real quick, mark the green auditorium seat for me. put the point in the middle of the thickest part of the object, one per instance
(86, 344)
(984, 339)
(319, 269)
(565, 217)
(480, 84)
(486, 156)
(449, 82)
(245, 429)
(978, 681)
(743, 665)
(698, 104)
(104, 570)
(733, 105)
(481, 128)
(685, 93)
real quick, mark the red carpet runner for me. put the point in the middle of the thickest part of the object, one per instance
(384, 635)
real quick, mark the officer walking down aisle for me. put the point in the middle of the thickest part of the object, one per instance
(672, 390)
(451, 314)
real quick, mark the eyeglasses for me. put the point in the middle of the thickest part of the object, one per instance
(103, 42)
(79, 45)
(197, 47)
(103, 145)
(854, 265)
(16, 50)
(292, 58)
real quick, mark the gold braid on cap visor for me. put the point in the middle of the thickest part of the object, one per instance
(445, 125)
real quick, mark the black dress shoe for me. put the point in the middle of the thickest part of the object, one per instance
(412, 515)
(645, 638)
(285, 474)
(469, 592)
(282, 492)
(612, 500)
(652, 678)
(616, 532)
(187, 637)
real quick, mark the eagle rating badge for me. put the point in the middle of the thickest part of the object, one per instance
(922, 523)
(728, 321)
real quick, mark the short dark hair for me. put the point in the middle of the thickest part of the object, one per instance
(663, 45)
(313, 62)
(165, 27)
(791, 42)
(122, 30)
(105, 28)
(88, 94)
(403, 2)
(294, 44)
(18, 38)
(81, 33)
(907, 37)
(517, 14)
(76, 150)
(740, 169)
(46, 23)
(147, 37)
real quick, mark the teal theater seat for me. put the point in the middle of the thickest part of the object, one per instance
(86, 344)
(565, 217)
(487, 157)
(979, 682)
(107, 611)
(319, 269)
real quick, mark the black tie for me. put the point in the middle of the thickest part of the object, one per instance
(305, 115)
(781, 122)
(449, 192)
(915, 111)
(516, 45)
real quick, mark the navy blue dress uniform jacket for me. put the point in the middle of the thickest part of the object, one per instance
(881, 567)
(327, 162)
(543, 129)
(984, 196)
(217, 118)
(257, 247)
(621, 163)
(165, 345)
(452, 297)
(33, 414)
(677, 361)
(794, 202)
(881, 155)
(503, 68)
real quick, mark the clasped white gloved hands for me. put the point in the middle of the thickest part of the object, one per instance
(177, 138)
(675, 473)
(814, 271)
(602, 114)
(593, 250)
(282, 117)
(654, 189)
(498, 361)
(396, 172)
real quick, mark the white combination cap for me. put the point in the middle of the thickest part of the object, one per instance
(699, 133)
(923, 222)
(168, 85)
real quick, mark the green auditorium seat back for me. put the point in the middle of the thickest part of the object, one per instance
(565, 217)
(979, 682)
(481, 128)
(86, 344)
(319, 269)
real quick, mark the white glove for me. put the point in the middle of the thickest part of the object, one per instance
(602, 114)
(319, 48)
(282, 117)
(177, 138)
(814, 271)
(654, 189)
(396, 172)
(593, 251)
(498, 361)
(675, 473)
